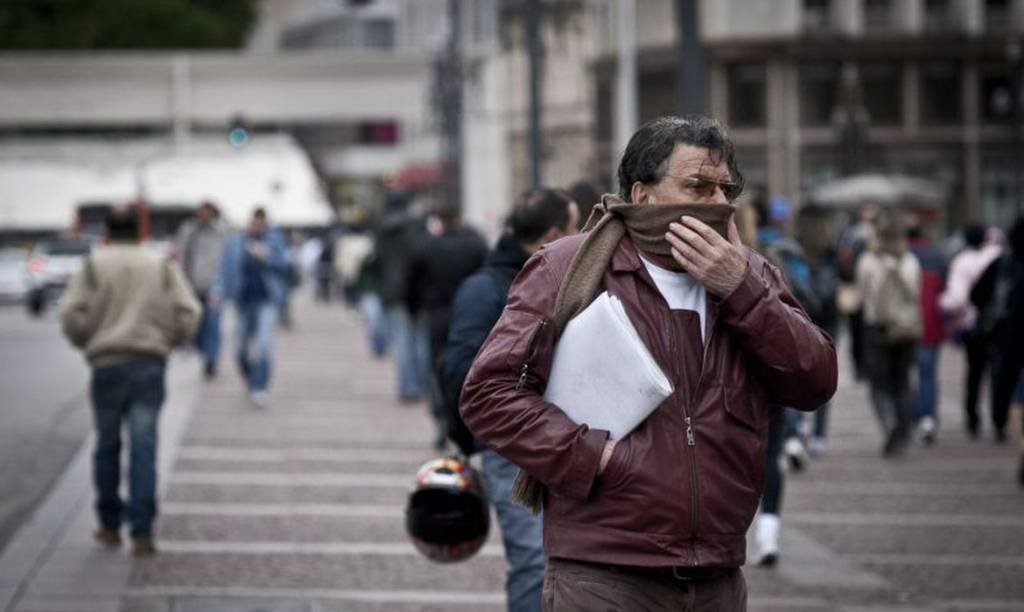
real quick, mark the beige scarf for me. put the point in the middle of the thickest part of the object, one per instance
(608, 223)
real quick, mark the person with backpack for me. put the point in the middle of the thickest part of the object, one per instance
(539, 216)
(126, 308)
(889, 282)
(812, 280)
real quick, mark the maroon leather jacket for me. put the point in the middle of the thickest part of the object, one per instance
(683, 487)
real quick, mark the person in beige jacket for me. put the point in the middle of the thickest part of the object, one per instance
(126, 309)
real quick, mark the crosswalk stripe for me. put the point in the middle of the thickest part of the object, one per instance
(269, 455)
(910, 520)
(951, 560)
(275, 479)
(395, 596)
(288, 509)
(387, 549)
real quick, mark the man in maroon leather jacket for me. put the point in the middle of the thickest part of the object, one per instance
(657, 519)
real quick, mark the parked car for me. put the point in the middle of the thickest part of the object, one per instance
(13, 284)
(48, 269)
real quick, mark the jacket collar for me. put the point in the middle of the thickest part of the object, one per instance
(507, 253)
(626, 258)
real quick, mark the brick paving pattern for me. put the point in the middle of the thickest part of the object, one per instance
(298, 507)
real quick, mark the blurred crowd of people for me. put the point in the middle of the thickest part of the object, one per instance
(899, 294)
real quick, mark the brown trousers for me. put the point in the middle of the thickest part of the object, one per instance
(570, 586)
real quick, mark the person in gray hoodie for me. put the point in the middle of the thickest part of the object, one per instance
(200, 245)
(126, 309)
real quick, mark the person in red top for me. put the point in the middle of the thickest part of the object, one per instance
(933, 274)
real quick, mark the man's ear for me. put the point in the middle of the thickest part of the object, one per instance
(639, 193)
(553, 233)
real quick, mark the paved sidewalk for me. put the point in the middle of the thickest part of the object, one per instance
(298, 507)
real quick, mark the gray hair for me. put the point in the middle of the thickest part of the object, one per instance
(646, 156)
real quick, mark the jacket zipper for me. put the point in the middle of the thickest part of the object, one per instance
(690, 436)
(533, 352)
(691, 442)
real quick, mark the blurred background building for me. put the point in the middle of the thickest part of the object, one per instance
(936, 78)
(333, 102)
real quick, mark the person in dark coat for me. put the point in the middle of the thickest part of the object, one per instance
(397, 237)
(436, 270)
(540, 216)
(999, 297)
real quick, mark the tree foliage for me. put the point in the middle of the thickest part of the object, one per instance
(125, 24)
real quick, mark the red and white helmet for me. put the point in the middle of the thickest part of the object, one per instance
(447, 515)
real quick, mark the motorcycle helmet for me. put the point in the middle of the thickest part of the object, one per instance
(447, 515)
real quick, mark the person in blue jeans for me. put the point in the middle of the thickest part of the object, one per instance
(254, 274)
(200, 243)
(540, 216)
(933, 276)
(126, 308)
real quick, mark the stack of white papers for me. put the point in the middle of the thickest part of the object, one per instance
(603, 375)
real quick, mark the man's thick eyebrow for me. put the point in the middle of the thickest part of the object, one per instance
(706, 177)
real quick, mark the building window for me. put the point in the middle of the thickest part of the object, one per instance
(996, 96)
(747, 95)
(817, 16)
(819, 93)
(940, 93)
(997, 15)
(938, 16)
(877, 15)
(882, 85)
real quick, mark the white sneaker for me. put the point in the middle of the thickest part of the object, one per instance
(816, 447)
(795, 453)
(928, 428)
(260, 398)
(767, 538)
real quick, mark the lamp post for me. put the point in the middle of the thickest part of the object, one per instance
(451, 84)
(690, 64)
(532, 24)
(850, 122)
(1013, 57)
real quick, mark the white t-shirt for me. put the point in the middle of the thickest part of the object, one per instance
(681, 291)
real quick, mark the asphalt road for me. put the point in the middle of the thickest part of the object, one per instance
(44, 415)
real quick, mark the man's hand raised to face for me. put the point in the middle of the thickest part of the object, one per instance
(717, 263)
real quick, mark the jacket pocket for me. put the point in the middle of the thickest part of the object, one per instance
(618, 465)
(524, 331)
(746, 408)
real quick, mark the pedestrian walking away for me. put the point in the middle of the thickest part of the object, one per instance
(933, 278)
(436, 270)
(254, 274)
(126, 308)
(999, 298)
(964, 271)
(200, 244)
(654, 519)
(397, 237)
(889, 282)
(539, 216)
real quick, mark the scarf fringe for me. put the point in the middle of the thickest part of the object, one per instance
(528, 491)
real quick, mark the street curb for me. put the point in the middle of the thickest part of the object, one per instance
(36, 541)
